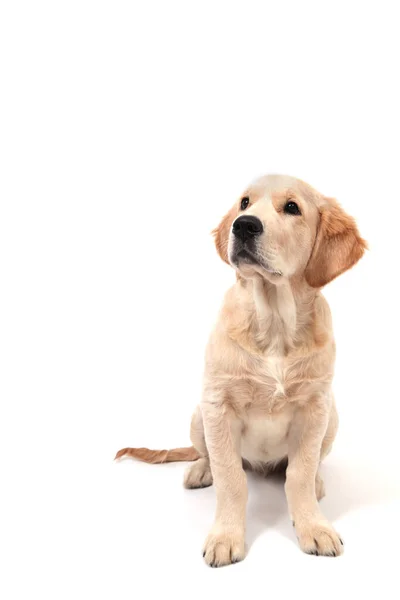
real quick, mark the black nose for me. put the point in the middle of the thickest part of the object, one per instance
(247, 227)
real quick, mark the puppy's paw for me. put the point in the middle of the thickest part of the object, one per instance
(223, 547)
(319, 538)
(198, 475)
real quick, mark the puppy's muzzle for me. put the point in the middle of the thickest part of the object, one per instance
(247, 228)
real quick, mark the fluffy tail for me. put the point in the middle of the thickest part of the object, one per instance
(160, 456)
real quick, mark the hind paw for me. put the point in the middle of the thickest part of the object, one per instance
(198, 475)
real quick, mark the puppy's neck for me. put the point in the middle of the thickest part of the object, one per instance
(282, 312)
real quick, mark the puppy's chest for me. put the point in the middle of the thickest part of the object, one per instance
(268, 412)
(270, 381)
(268, 385)
(273, 376)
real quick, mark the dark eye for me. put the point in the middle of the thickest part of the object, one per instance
(244, 203)
(291, 208)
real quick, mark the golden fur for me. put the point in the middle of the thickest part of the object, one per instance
(267, 397)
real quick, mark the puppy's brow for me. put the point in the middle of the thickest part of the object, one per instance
(279, 198)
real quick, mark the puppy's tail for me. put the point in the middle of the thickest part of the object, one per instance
(160, 456)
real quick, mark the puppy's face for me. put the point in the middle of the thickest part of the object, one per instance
(281, 227)
(274, 229)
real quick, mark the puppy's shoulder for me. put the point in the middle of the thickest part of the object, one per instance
(322, 321)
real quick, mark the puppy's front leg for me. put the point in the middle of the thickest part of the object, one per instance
(316, 535)
(225, 542)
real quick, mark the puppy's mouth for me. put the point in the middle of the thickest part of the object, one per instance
(246, 256)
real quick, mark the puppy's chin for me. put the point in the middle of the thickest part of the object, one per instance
(250, 271)
(248, 267)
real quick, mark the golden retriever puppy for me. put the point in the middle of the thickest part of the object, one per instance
(267, 397)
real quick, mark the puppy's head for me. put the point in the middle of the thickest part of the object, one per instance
(281, 227)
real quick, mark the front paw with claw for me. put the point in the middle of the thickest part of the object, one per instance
(319, 538)
(223, 547)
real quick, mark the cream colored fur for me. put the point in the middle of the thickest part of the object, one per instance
(267, 395)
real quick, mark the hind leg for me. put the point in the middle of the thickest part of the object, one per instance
(326, 448)
(319, 487)
(198, 474)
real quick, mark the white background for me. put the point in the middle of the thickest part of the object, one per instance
(127, 130)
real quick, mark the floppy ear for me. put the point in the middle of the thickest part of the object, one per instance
(221, 234)
(338, 246)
